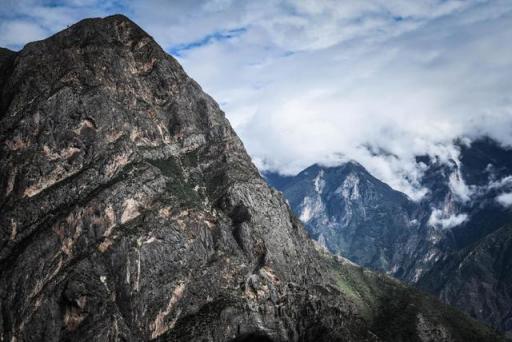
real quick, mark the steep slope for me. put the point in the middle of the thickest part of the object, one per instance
(424, 243)
(131, 211)
(478, 279)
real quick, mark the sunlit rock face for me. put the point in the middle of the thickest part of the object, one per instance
(467, 205)
(130, 211)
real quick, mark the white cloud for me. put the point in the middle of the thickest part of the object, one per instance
(459, 187)
(498, 184)
(505, 199)
(439, 219)
(406, 89)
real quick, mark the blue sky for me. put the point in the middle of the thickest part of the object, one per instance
(178, 50)
(325, 81)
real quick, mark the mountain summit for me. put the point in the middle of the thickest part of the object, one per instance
(130, 211)
(352, 213)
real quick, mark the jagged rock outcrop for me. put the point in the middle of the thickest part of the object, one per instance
(131, 211)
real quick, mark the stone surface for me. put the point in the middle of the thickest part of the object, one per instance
(131, 211)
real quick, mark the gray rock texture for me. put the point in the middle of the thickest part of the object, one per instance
(130, 211)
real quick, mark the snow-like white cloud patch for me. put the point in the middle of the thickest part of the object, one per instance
(505, 200)
(500, 183)
(459, 187)
(440, 219)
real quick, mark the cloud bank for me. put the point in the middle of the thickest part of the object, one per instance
(303, 82)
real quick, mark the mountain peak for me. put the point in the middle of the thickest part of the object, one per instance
(350, 165)
(119, 22)
(112, 30)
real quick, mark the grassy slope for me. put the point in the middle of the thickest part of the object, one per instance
(394, 311)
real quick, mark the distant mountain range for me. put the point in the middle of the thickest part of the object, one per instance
(456, 242)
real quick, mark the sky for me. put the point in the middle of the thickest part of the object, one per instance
(303, 82)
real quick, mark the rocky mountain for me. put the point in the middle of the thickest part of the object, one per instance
(456, 226)
(354, 214)
(131, 211)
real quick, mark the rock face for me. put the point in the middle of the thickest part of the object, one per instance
(131, 211)
(454, 243)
